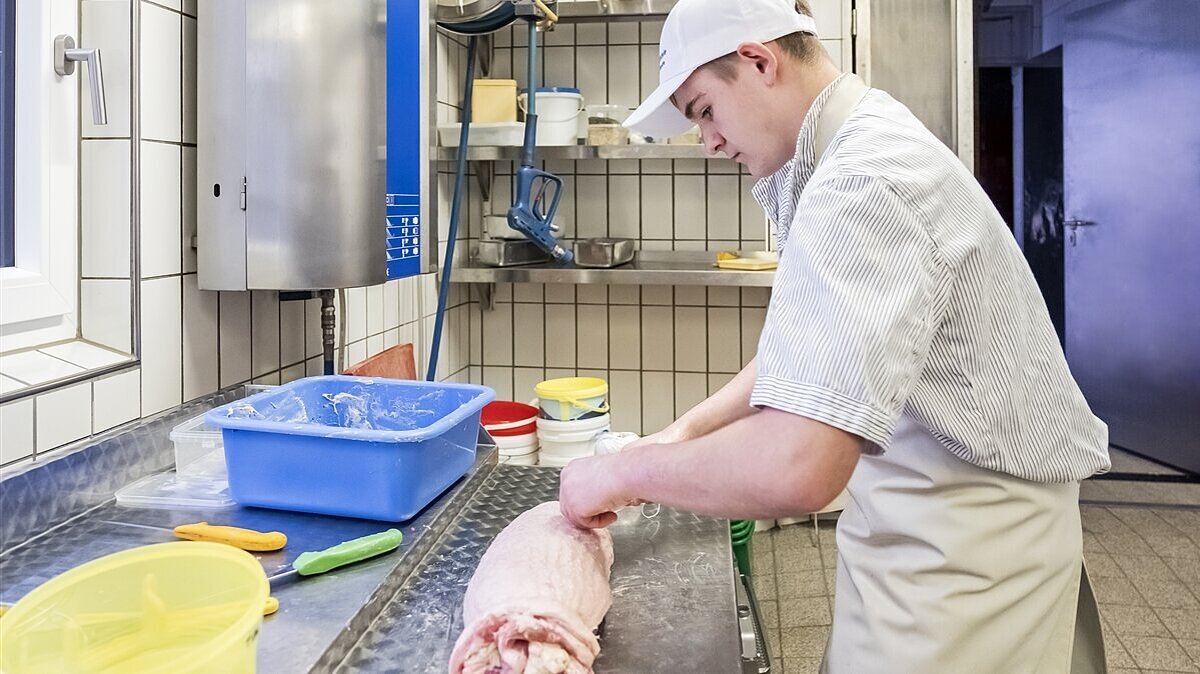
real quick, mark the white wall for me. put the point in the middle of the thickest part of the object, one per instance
(661, 348)
(193, 341)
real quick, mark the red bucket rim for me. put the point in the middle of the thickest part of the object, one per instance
(528, 429)
(506, 412)
(511, 418)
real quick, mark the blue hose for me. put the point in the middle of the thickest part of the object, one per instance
(460, 173)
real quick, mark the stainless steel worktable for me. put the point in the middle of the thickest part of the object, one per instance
(674, 607)
(672, 579)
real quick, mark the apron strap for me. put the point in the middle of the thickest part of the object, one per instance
(846, 95)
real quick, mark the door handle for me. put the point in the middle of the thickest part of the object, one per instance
(65, 56)
(1076, 224)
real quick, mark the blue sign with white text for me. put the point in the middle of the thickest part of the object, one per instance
(404, 138)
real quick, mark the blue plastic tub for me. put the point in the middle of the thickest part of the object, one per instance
(354, 446)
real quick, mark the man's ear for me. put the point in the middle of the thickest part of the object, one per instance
(764, 60)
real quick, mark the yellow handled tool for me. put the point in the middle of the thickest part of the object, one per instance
(246, 539)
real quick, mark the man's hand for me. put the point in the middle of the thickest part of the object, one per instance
(669, 435)
(590, 491)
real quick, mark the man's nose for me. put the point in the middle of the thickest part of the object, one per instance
(713, 141)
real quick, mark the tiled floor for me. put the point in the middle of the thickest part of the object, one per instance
(1144, 564)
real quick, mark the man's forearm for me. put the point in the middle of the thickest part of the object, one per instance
(771, 464)
(722, 408)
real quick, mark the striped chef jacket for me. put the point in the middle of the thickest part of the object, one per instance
(901, 291)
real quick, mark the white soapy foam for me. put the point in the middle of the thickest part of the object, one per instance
(351, 411)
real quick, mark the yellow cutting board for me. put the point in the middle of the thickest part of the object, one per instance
(748, 261)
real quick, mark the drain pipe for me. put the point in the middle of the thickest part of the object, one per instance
(328, 323)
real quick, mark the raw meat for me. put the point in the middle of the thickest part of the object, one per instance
(537, 594)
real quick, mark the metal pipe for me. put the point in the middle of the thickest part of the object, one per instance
(328, 325)
(531, 71)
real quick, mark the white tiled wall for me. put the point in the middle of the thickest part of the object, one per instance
(192, 341)
(662, 349)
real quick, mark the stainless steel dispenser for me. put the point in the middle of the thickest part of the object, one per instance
(291, 154)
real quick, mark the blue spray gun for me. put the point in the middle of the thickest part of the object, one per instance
(537, 193)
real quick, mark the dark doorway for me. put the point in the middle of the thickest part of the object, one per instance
(1043, 184)
(994, 148)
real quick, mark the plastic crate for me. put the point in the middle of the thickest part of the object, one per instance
(354, 446)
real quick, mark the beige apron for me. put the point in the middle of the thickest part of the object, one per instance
(944, 566)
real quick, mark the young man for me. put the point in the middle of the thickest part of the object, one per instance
(907, 355)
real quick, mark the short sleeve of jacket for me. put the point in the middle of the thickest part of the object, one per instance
(857, 299)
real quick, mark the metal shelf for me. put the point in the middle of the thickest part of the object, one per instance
(673, 268)
(647, 151)
(570, 11)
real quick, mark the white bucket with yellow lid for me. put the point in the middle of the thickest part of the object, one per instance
(572, 398)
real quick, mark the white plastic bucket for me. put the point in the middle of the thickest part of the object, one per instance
(523, 460)
(570, 398)
(558, 116)
(554, 462)
(570, 439)
(517, 445)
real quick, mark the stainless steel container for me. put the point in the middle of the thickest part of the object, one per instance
(603, 252)
(509, 252)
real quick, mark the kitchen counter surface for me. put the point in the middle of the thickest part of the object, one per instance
(673, 581)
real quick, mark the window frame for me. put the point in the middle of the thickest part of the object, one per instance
(39, 295)
(7, 69)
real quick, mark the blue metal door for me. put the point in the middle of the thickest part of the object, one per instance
(1131, 99)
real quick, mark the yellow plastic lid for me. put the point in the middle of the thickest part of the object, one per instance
(571, 388)
(496, 83)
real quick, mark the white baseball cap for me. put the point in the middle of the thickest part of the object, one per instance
(699, 31)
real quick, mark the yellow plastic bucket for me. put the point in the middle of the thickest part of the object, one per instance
(173, 607)
(494, 101)
(572, 397)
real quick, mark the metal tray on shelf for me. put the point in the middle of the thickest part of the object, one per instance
(603, 253)
(509, 252)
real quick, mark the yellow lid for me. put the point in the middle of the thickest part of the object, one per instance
(496, 83)
(571, 388)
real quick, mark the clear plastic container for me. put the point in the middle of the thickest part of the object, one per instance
(168, 490)
(198, 448)
(607, 134)
(603, 113)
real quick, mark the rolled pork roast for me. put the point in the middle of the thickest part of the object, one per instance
(538, 593)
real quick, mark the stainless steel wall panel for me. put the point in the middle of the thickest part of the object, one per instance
(313, 111)
(221, 145)
(919, 51)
